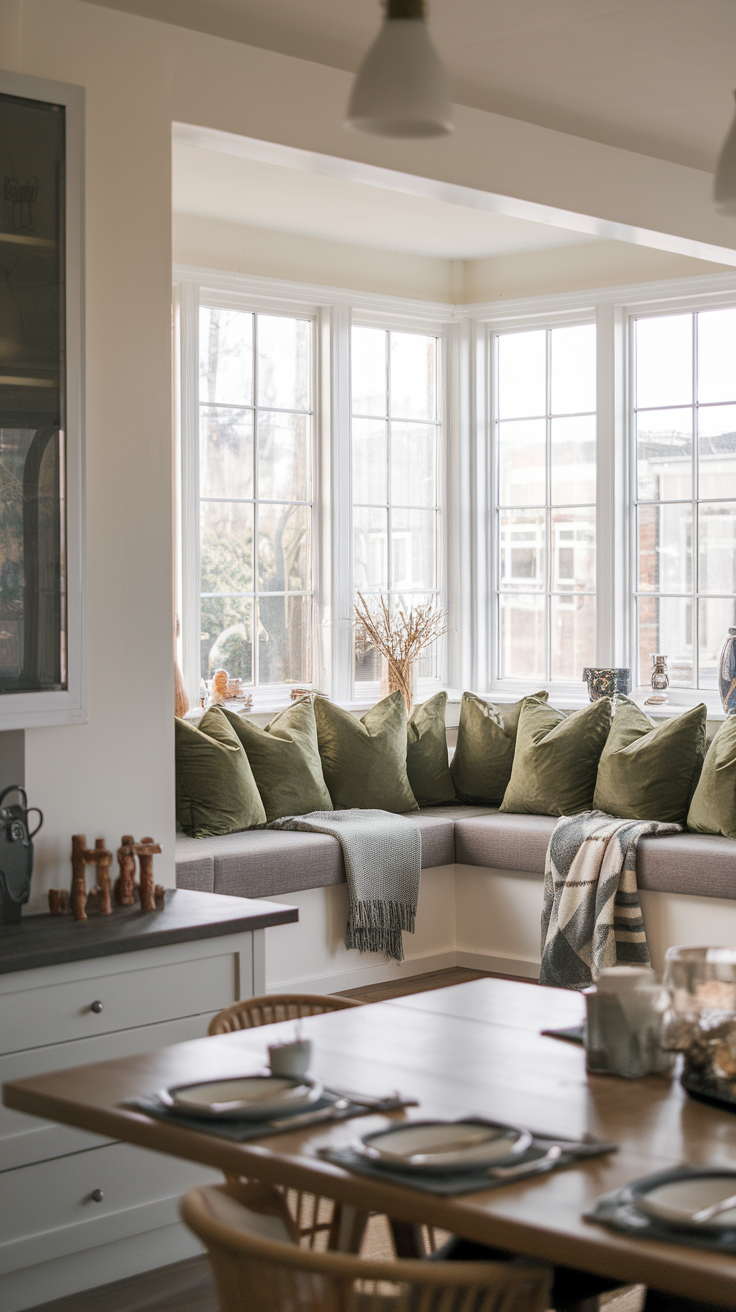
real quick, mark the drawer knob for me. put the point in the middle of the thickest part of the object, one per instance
(97, 1195)
(96, 1006)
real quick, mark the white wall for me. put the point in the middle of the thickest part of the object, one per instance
(115, 774)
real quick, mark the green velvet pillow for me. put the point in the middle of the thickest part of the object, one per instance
(427, 764)
(215, 789)
(364, 761)
(648, 771)
(284, 758)
(713, 808)
(486, 738)
(556, 758)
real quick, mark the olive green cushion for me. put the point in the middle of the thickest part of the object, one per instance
(713, 808)
(364, 761)
(556, 758)
(648, 771)
(284, 758)
(215, 789)
(427, 764)
(486, 738)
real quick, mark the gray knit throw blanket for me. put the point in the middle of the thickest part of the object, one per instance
(591, 916)
(383, 861)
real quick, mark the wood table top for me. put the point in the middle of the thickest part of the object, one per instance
(473, 1047)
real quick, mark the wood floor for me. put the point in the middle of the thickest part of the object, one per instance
(187, 1286)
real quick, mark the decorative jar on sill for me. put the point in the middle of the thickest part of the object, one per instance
(727, 673)
(700, 1020)
(660, 682)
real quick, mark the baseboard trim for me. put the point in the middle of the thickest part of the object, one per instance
(361, 975)
(498, 965)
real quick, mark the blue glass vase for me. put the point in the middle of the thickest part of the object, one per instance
(727, 673)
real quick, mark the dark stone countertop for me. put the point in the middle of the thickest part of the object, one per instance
(51, 940)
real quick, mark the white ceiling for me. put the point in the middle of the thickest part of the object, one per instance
(266, 195)
(654, 76)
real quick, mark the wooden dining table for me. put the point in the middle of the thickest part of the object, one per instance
(470, 1048)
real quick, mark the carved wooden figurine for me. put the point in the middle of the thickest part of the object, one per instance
(81, 858)
(146, 851)
(125, 882)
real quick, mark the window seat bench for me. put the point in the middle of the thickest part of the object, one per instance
(480, 900)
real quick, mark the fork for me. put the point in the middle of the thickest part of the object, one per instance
(715, 1209)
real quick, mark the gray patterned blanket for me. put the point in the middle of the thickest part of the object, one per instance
(383, 863)
(591, 916)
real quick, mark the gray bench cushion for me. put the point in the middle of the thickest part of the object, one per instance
(264, 862)
(699, 864)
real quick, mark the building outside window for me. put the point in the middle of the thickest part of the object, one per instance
(545, 513)
(396, 435)
(684, 428)
(255, 495)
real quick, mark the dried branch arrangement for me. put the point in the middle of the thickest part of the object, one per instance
(400, 636)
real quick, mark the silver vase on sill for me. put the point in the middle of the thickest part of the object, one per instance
(607, 681)
(660, 682)
(727, 673)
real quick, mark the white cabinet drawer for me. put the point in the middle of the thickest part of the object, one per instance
(49, 1209)
(25, 1139)
(142, 995)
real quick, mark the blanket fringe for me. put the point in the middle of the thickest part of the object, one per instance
(377, 927)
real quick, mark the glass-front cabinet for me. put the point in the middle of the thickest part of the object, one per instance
(40, 411)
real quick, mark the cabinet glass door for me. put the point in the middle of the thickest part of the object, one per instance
(32, 395)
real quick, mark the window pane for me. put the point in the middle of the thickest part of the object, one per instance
(572, 622)
(370, 470)
(413, 464)
(522, 550)
(716, 355)
(573, 369)
(226, 545)
(573, 548)
(522, 465)
(574, 461)
(664, 360)
(665, 548)
(522, 375)
(666, 628)
(225, 356)
(717, 547)
(369, 381)
(284, 548)
(717, 451)
(413, 546)
(226, 639)
(367, 660)
(284, 640)
(283, 362)
(370, 550)
(225, 452)
(716, 615)
(413, 382)
(522, 637)
(664, 454)
(283, 456)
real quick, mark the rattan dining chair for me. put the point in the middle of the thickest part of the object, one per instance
(316, 1219)
(258, 1267)
(272, 1007)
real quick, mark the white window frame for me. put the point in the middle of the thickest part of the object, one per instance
(613, 309)
(333, 312)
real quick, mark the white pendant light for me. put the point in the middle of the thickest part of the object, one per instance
(401, 88)
(724, 188)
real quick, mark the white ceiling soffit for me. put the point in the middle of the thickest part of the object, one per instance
(652, 76)
(267, 195)
(432, 189)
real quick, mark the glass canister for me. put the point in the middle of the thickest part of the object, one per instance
(727, 673)
(700, 1019)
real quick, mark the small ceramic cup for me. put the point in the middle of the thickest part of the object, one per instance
(291, 1059)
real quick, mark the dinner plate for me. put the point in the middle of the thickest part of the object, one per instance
(444, 1145)
(674, 1201)
(244, 1097)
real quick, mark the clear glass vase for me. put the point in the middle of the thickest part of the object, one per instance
(700, 1020)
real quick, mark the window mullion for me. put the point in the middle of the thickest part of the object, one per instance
(190, 550)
